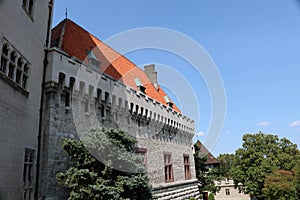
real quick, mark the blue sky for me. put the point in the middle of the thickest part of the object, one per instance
(255, 45)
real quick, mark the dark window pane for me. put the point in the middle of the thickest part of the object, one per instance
(24, 81)
(3, 64)
(13, 56)
(18, 76)
(20, 62)
(11, 71)
(30, 7)
(5, 49)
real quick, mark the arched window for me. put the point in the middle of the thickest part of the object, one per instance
(24, 81)
(26, 68)
(4, 59)
(20, 62)
(14, 65)
(30, 7)
(25, 3)
(13, 56)
(5, 49)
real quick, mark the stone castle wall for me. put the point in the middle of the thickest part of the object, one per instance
(78, 98)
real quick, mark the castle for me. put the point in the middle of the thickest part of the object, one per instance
(85, 83)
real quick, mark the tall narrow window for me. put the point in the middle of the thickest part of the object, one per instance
(67, 100)
(30, 7)
(28, 173)
(227, 192)
(86, 106)
(25, 76)
(11, 71)
(28, 164)
(11, 68)
(4, 58)
(187, 170)
(168, 167)
(25, 3)
(18, 76)
(13, 56)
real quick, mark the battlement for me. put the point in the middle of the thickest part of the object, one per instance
(82, 82)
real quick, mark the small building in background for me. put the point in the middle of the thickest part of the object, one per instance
(228, 191)
(212, 162)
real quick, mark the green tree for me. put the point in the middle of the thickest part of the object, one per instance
(211, 196)
(261, 155)
(226, 162)
(89, 178)
(204, 175)
(280, 185)
(297, 179)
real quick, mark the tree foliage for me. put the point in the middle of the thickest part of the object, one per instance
(260, 156)
(280, 185)
(297, 179)
(211, 196)
(204, 175)
(226, 162)
(89, 178)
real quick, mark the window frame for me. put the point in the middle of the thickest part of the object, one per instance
(14, 67)
(28, 173)
(28, 7)
(168, 167)
(187, 167)
(227, 192)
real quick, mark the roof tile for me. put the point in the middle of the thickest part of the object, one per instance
(77, 42)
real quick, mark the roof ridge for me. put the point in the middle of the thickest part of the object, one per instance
(119, 66)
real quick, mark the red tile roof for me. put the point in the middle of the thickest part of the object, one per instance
(205, 152)
(77, 42)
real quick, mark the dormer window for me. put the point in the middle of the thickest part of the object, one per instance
(94, 63)
(168, 101)
(140, 85)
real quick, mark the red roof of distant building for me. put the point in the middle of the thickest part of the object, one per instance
(205, 152)
(77, 42)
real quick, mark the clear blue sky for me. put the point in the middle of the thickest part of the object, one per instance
(255, 45)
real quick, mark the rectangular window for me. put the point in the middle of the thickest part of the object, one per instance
(67, 99)
(168, 167)
(3, 64)
(24, 81)
(18, 76)
(14, 66)
(186, 163)
(86, 106)
(227, 192)
(28, 6)
(11, 70)
(28, 173)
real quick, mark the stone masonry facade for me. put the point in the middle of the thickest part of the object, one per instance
(78, 98)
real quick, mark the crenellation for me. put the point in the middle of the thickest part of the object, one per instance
(109, 103)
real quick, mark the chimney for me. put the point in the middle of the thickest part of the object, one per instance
(152, 74)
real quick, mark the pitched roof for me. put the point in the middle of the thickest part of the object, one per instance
(205, 152)
(77, 42)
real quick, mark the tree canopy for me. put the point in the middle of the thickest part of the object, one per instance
(204, 175)
(226, 162)
(280, 185)
(260, 156)
(89, 178)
